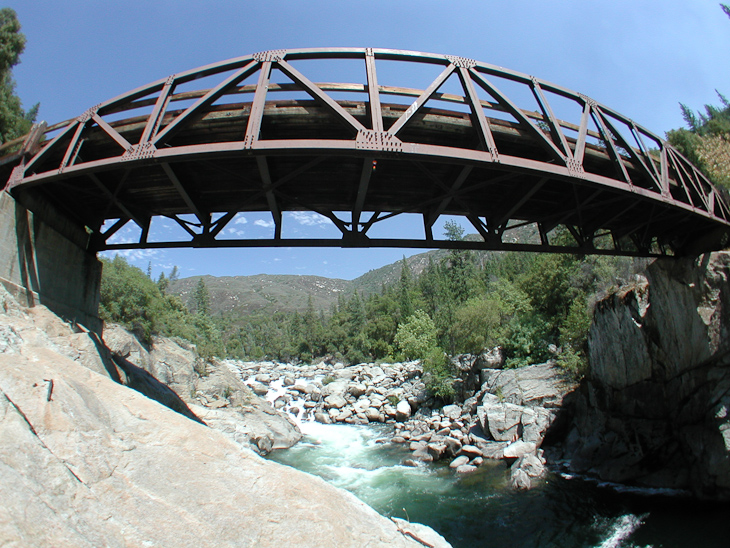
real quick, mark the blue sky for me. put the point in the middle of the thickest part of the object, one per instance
(640, 57)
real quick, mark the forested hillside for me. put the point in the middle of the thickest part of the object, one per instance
(535, 306)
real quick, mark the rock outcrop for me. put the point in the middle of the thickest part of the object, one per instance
(85, 461)
(356, 394)
(210, 390)
(655, 409)
(507, 419)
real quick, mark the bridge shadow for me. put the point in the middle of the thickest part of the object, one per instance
(126, 373)
(52, 267)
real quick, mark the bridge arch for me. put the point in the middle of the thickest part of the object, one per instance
(256, 134)
(519, 158)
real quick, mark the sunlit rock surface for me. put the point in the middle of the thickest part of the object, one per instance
(86, 461)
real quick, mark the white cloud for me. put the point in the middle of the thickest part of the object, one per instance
(133, 255)
(265, 224)
(309, 218)
(240, 220)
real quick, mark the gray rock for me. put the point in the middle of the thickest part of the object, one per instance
(424, 535)
(494, 450)
(466, 469)
(336, 388)
(531, 464)
(453, 412)
(501, 420)
(374, 415)
(324, 418)
(335, 401)
(101, 465)
(471, 451)
(402, 411)
(517, 449)
(541, 384)
(458, 461)
(519, 479)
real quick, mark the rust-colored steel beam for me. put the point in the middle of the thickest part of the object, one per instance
(361, 153)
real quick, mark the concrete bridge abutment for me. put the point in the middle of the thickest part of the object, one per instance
(46, 262)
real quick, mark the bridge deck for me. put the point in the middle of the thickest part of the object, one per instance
(201, 157)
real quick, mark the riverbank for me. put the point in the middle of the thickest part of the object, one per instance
(99, 451)
(505, 419)
(482, 510)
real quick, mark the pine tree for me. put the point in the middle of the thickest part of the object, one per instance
(201, 298)
(405, 290)
(14, 121)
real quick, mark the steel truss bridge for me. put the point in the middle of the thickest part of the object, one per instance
(498, 148)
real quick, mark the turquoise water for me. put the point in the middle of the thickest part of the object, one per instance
(480, 510)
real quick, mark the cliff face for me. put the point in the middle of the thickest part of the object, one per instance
(86, 461)
(655, 409)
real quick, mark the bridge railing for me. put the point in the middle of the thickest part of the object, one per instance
(599, 152)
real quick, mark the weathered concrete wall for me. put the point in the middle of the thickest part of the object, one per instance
(46, 261)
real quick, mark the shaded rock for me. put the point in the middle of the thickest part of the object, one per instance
(654, 409)
(357, 390)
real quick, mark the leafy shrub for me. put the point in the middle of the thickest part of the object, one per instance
(438, 374)
(130, 298)
(416, 337)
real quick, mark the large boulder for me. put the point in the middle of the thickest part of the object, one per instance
(655, 409)
(168, 372)
(94, 463)
(542, 384)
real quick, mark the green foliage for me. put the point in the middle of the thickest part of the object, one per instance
(201, 298)
(132, 299)
(416, 337)
(476, 323)
(14, 121)
(438, 374)
(464, 302)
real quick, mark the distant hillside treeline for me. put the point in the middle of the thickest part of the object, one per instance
(536, 306)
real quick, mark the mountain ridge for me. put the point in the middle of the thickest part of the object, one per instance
(268, 293)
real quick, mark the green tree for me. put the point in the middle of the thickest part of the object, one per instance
(128, 297)
(201, 298)
(706, 140)
(405, 290)
(416, 336)
(14, 121)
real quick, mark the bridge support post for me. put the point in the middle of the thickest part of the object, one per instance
(46, 262)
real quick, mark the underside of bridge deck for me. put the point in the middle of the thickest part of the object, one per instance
(258, 135)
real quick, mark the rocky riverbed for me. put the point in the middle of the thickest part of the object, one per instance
(506, 418)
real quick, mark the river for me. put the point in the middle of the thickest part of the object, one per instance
(480, 510)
